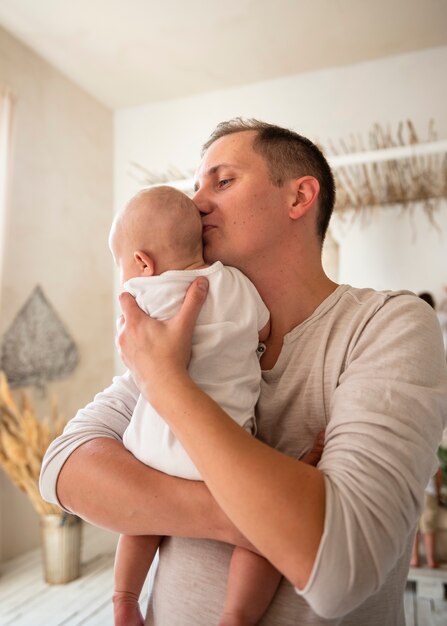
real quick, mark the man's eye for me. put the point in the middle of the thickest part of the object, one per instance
(224, 182)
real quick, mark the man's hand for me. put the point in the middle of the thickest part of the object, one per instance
(155, 350)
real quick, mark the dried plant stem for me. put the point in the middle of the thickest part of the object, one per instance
(24, 439)
(404, 181)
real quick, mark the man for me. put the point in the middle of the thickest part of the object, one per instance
(366, 366)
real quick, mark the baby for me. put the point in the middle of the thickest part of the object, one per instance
(156, 242)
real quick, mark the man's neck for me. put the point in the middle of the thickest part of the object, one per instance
(291, 296)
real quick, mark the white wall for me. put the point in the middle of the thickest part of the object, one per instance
(59, 216)
(386, 251)
(324, 105)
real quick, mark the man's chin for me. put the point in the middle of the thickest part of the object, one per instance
(210, 255)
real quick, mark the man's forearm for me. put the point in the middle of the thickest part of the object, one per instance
(105, 485)
(247, 477)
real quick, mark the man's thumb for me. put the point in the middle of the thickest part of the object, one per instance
(194, 299)
(128, 304)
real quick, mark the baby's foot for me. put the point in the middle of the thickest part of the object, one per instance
(126, 611)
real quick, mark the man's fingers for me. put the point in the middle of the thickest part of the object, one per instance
(169, 339)
(194, 299)
(128, 305)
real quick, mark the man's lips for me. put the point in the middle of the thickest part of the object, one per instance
(207, 227)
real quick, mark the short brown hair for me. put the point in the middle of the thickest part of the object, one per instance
(288, 155)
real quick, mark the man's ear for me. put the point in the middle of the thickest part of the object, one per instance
(306, 191)
(145, 263)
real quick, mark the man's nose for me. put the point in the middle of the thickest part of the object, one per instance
(201, 201)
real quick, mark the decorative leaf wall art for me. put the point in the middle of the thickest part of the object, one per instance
(37, 348)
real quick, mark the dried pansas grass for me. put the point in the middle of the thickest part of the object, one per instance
(24, 439)
(404, 181)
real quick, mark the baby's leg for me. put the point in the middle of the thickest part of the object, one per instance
(134, 555)
(252, 582)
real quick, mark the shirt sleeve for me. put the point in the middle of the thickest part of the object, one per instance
(386, 422)
(108, 415)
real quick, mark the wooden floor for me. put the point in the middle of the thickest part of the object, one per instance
(25, 600)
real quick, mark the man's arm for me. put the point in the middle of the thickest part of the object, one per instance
(104, 484)
(88, 471)
(230, 461)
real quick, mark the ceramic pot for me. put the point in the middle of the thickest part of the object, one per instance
(61, 547)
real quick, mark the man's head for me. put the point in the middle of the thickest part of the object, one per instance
(288, 155)
(158, 230)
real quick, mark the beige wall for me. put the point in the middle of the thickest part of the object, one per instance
(56, 236)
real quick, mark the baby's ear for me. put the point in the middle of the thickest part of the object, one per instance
(145, 263)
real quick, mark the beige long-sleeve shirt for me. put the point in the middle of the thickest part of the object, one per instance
(367, 366)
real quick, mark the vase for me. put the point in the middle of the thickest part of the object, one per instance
(61, 547)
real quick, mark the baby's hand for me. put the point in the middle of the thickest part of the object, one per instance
(313, 457)
(126, 610)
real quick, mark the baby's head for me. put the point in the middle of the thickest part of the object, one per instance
(158, 230)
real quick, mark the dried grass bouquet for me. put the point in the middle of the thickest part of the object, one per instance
(24, 439)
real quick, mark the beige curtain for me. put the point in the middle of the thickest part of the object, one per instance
(6, 116)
